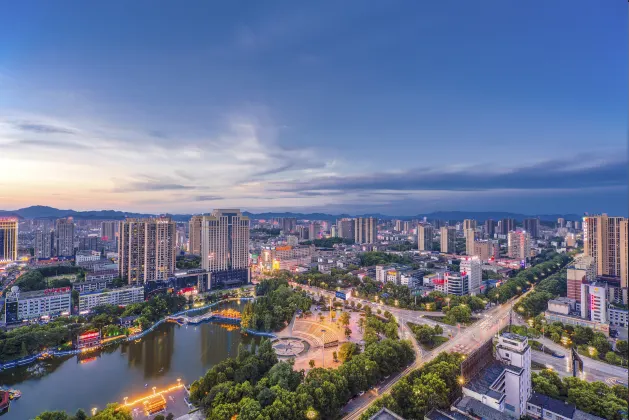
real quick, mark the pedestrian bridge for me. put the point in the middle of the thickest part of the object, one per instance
(224, 315)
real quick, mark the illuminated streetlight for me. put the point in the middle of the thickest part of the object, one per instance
(461, 380)
(125, 400)
(94, 411)
(154, 388)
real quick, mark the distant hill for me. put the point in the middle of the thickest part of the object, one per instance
(45, 212)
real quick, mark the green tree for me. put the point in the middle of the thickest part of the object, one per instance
(311, 363)
(347, 351)
(344, 318)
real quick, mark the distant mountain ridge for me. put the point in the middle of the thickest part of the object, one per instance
(46, 212)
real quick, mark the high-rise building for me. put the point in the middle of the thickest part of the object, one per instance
(438, 223)
(581, 271)
(146, 249)
(532, 227)
(624, 257)
(314, 231)
(399, 225)
(485, 250)
(365, 230)
(473, 268)
(345, 228)
(594, 302)
(109, 230)
(424, 237)
(469, 224)
(448, 240)
(89, 243)
(506, 226)
(8, 239)
(519, 245)
(470, 236)
(225, 247)
(561, 222)
(490, 228)
(43, 244)
(602, 240)
(194, 229)
(288, 224)
(514, 351)
(406, 227)
(577, 225)
(64, 237)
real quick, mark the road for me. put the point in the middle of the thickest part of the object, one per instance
(465, 341)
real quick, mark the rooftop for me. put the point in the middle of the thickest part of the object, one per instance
(385, 414)
(482, 382)
(514, 337)
(556, 406)
(479, 410)
(436, 414)
(41, 293)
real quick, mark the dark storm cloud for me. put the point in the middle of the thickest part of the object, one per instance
(580, 172)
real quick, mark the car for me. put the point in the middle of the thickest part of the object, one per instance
(361, 393)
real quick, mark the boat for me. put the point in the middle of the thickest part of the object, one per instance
(14, 394)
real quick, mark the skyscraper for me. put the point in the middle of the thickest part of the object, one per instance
(64, 237)
(473, 267)
(448, 240)
(109, 230)
(519, 245)
(146, 249)
(561, 222)
(314, 231)
(470, 236)
(225, 247)
(532, 227)
(287, 224)
(506, 226)
(345, 228)
(194, 235)
(490, 228)
(43, 244)
(365, 230)
(8, 239)
(469, 224)
(602, 240)
(624, 258)
(424, 237)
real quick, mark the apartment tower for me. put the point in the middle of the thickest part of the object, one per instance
(448, 240)
(64, 237)
(8, 239)
(194, 234)
(424, 237)
(606, 242)
(365, 230)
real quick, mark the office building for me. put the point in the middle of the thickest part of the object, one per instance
(519, 245)
(146, 249)
(64, 237)
(594, 302)
(490, 228)
(365, 230)
(8, 238)
(43, 248)
(345, 228)
(225, 247)
(469, 224)
(473, 268)
(448, 240)
(532, 227)
(470, 236)
(109, 230)
(30, 305)
(485, 250)
(455, 284)
(506, 226)
(424, 237)
(288, 224)
(194, 235)
(583, 270)
(120, 297)
(605, 240)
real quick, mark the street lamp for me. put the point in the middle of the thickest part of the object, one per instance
(94, 411)
(154, 388)
(125, 400)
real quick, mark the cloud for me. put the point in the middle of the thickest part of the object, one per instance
(58, 144)
(577, 172)
(207, 198)
(148, 184)
(41, 128)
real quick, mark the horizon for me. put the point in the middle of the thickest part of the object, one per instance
(326, 107)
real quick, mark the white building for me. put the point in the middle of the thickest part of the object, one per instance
(594, 302)
(618, 317)
(121, 297)
(29, 305)
(83, 256)
(473, 267)
(456, 284)
(519, 245)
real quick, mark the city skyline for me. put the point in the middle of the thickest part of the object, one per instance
(287, 107)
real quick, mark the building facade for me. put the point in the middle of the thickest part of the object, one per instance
(365, 230)
(602, 241)
(8, 239)
(448, 240)
(345, 229)
(194, 235)
(470, 237)
(424, 237)
(120, 297)
(531, 226)
(109, 230)
(473, 268)
(43, 248)
(146, 249)
(30, 305)
(583, 270)
(519, 245)
(64, 237)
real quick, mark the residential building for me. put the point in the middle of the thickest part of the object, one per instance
(120, 297)
(470, 236)
(469, 224)
(92, 285)
(89, 243)
(64, 237)
(109, 230)
(618, 316)
(455, 284)
(83, 256)
(594, 302)
(531, 226)
(519, 245)
(448, 240)
(287, 224)
(473, 268)
(314, 231)
(541, 406)
(345, 228)
(146, 249)
(43, 248)
(225, 247)
(365, 230)
(576, 320)
(8, 239)
(399, 225)
(624, 256)
(30, 305)
(562, 305)
(506, 226)
(561, 222)
(194, 235)
(424, 237)
(602, 240)
(583, 270)
(485, 250)
(285, 257)
(102, 275)
(490, 228)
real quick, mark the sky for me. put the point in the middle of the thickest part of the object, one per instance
(395, 107)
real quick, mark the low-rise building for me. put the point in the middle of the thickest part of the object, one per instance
(85, 256)
(618, 317)
(92, 285)
(102, 275)
(575, 320)
(121, 297)
(541, 406)
(562, 305)
(29, 305)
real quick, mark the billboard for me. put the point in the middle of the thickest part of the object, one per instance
(341, 295)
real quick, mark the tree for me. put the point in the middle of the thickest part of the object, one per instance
(600, 343)
(361, 324)
(348, 332)
(344, 318)
(335, 356)
(311, 363)
(170, 416)
(621, 347)
(53, 415)
(80, 415)
(347, 351)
